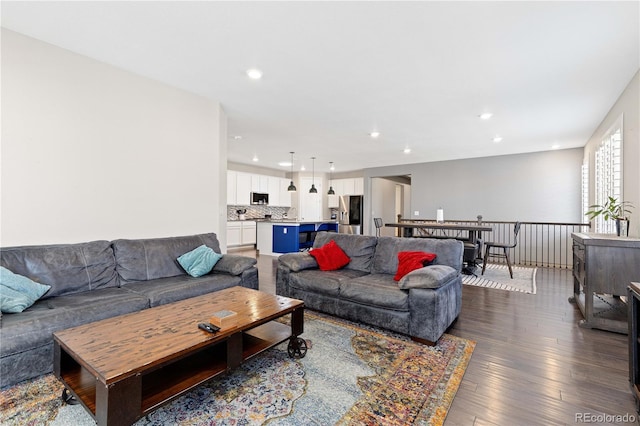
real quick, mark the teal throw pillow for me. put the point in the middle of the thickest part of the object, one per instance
(199, 261)
(17, 293)
(11, 301)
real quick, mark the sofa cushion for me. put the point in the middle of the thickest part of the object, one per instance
(385, 260)
(433, 276)
(34, 327)
(67, 268)
(378, 290)
(411, 260)
(234, 264)
(323, 282)
(199, 261)
(17, 293)
(359, 248)
(171, 289)
(148, 259)
(298, 261)
(330, 256)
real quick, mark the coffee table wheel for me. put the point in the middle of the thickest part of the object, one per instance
(67, 398)
(297, 347)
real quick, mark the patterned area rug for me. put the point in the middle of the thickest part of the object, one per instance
(31, 403)
(497, 276)
(352, 374)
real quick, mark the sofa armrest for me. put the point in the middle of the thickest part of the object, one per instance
(234, 264)
(298, 261)
(432, 276)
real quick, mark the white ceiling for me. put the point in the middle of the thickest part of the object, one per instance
(418, 72)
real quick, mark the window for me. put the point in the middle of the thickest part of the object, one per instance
(608, 173)
(585, 188)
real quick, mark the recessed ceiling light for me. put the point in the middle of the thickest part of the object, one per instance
(254, 74)
(497, 139)
(556, 146)
(407, 150)
(285, 164)
(302, 168)
(485, 115)
(255, 158)
(374, 134)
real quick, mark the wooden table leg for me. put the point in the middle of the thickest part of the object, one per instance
(234, 350)
(297, 346)
(297, 321)
(119, 403)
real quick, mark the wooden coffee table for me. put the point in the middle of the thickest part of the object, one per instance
(125, 367)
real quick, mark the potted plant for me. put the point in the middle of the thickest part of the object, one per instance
(612, 209)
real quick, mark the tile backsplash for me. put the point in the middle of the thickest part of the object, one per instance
(258, 212)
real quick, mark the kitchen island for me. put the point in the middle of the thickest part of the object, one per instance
(275, 237)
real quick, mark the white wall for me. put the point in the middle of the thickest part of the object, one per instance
(90, 151)
(541, 186)
(627, 106)
(383, 205)
(220, 192)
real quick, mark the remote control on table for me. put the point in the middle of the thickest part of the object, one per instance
(208, 327)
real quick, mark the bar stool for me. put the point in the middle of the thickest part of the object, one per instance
(505, 249)
(377, 221)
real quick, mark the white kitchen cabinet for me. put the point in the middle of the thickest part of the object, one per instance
(264, 183)
(338, 186)
(348, 186)
(358, 186)
(255, 183)
(231, 187)
(285, 195)
(241, 233)
(333, 201)
(248, 232)
(240, 185)
(274, 191)
(260, 183)
(243, 188)
(234, 234)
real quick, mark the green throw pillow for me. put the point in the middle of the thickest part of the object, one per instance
(17, 293)
(199, 261)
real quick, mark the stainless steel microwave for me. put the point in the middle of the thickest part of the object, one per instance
(259, 198)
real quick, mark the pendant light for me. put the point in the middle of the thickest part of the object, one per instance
(313, 189)
(291, 187)
(331, 191)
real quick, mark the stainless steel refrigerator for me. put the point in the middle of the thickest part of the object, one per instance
(350, 214)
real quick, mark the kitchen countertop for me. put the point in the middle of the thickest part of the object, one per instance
(293, 221)
(297, 222)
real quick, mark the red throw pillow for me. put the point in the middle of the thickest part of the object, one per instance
(330, 256)
(411, 260)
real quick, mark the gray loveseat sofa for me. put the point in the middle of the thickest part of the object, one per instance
(422, 305)
(97, 280)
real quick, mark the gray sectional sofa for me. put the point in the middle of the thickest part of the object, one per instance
(97, 280)
(423, 304)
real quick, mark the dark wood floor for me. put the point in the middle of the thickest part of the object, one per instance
(532, 364)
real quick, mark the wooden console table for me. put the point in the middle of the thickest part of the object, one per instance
(603, 267)
(634, 341)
